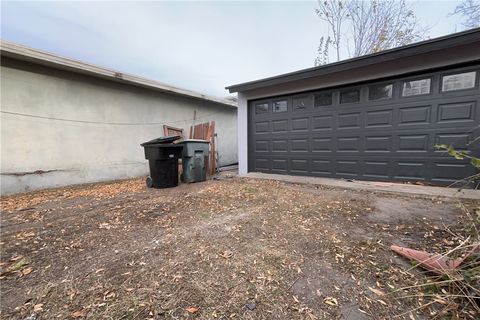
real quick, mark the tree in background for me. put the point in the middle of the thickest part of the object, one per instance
(363, 27)
(322, 57)
(470, 9)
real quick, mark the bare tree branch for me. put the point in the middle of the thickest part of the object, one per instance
(470, 9)
(371, 25)
(334, 13)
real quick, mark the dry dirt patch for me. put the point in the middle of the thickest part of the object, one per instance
(230, 249)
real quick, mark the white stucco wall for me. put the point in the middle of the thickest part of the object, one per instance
(83, 129)
(242, 123)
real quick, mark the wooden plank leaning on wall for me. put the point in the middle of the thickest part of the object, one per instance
(206, 131)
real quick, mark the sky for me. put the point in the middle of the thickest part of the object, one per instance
(201, 46)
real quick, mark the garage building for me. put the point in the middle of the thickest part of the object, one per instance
(375, 117)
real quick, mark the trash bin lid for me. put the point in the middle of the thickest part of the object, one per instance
(195, 140)
(168, 139)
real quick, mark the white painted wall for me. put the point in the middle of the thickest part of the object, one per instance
(102, 142)
(242, 123)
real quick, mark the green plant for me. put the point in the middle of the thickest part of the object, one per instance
(461, 155)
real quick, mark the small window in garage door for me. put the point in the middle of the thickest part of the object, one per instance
(458, 81)
(380, 91)
(323, 99)
(280, 106)
(301, 103)
(261, 108)
(416, 87)
(350, 96)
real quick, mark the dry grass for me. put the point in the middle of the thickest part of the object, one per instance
(455, 294)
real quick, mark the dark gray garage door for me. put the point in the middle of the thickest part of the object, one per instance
(374, 131)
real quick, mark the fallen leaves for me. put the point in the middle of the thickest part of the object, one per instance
(109, 295)
(108, 190)
(236, 241)
(38, 307)
(192, 309)
(79, 313)
(376, 291)
(331, 301)
(17, 265)
(26, 271)
(25, 235)
(227, 254)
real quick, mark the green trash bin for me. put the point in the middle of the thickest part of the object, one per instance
(195, 160)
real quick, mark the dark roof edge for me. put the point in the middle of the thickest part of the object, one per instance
(439, 43)
(24, 53)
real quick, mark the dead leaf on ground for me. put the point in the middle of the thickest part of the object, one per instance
(16, 258)
(382, 302)
(38, 307)
(191, 309)
(26, 271)
(79, 314)
(226, 254)
(376, 291)
(108, 294)
(331, 301)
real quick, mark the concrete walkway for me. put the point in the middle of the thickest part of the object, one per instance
(373, 186)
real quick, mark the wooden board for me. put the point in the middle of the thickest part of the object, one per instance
(172, 131)
(206, 131)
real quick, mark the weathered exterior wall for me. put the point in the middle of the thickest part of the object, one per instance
(84, 129)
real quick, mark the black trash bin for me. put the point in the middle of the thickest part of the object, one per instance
(162, 156)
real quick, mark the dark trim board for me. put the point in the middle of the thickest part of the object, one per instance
(388, 139)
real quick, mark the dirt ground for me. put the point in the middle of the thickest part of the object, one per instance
(233, 248)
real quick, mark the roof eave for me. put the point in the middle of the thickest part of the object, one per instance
(413, 49)
(23, 53)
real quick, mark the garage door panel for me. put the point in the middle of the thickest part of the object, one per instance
(280, 125)
(449, 172)
(300, 124)
(377, 169)
(410, 170)
(280, 145)
(262, 164)
(348, 144)
(456, 112)
(390, 140)
(262, 127)
(417, 115)
(322, 123)
(378, 144)
(347, 168)
(322, 166)
(279, 165)
(262, 146)
(299, 165)
(299, 145)
(323, 145)
(459, 140)
(349, 120)
(379, 118)
(413, 143)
